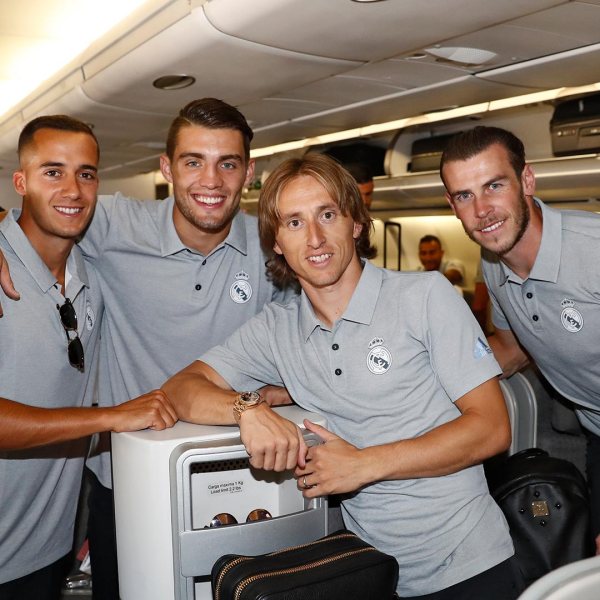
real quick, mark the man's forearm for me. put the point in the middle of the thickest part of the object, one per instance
(23, 426)
(200, 395)
(481, 431)
(508, 353)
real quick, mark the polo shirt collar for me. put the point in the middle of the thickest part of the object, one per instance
(26, 253)
(547, 261)
(170, 242)
(360, 309)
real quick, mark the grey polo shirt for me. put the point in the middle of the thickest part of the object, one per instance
(391, 368)
(555, 312)
(165, 303)
(39, 488)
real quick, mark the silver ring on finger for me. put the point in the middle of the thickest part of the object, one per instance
(304, 484)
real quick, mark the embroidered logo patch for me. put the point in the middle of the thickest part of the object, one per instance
(481, 349)
(90, 317)
(570, 317)
(379, 359)
(240, 290)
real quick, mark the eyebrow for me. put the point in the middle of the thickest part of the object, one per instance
(485, 184)
(201, 155)
(60, 164)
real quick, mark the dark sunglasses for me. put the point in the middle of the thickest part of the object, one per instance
(68, 318)
(258, 514)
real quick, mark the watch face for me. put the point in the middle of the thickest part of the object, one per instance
(250, 398)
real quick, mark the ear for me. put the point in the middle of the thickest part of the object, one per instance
(277, 249)
(249, 172)
(450, 202)
(528, 180)
(165, 168)
(357, 230)
(19, 183)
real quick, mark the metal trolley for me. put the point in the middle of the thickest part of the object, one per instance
(169, 487)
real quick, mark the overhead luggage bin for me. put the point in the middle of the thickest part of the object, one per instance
(575, 126)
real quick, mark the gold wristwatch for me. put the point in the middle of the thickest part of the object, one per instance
(245, 401)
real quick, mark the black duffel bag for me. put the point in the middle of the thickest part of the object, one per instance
(337, 567)
(545, 501)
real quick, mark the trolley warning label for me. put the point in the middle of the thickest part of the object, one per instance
(230, 487)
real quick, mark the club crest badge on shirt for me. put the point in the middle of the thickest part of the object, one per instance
(241, 290)
(570, 317)
(379, 359)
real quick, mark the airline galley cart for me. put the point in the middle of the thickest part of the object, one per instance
(169, 485)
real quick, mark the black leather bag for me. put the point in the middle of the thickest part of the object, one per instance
(545, 501)
(339, 566)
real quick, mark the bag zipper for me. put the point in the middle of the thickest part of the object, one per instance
(241, 559)
(318, 563)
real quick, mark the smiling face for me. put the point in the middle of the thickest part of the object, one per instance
(208, 172)
(58, 181)
(492, 202)
(315, 238)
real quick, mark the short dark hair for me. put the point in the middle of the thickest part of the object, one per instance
(212, 114)
(427, 239)
(361, 172)
(338, 183)
(467, 144)
(58, 122)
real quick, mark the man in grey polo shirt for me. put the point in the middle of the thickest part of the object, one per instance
(47, 358)
(542, 272)
(411, 397)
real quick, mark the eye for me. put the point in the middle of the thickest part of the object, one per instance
(328, 216)
(495, 185)
(462, 197)
(294, 224)
(52, 173)
(193, 163)
(229, 165)
(88, 175)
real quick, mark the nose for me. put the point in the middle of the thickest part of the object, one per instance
(314, 234)
(481, 206)
(210, 177)
(71, 188)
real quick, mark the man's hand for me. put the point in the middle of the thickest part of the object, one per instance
(6, 282)
(272, 442)
(150, 411)
(334, 467)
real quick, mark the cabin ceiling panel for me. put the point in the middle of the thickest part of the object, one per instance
(224, 67)
(406, 74)
(460, 91)
(366, 32)
(339, 90)
(568, 69)
(577, 21)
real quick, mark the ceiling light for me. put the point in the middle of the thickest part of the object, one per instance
(84, 20)
(465, 56)
(173, 82)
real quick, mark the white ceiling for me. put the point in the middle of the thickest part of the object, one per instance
(300, 68)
